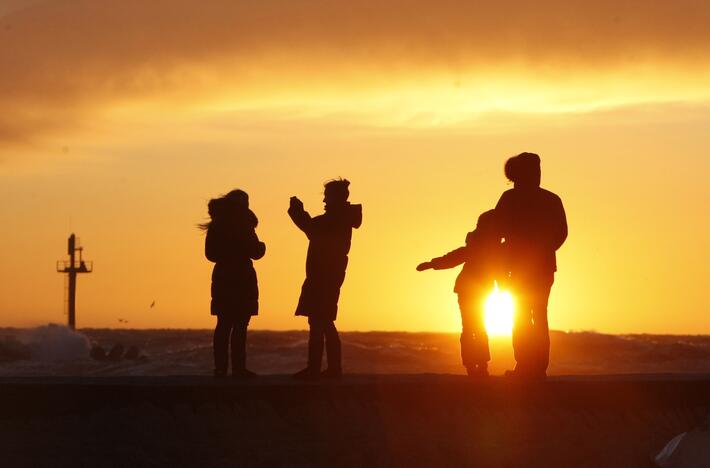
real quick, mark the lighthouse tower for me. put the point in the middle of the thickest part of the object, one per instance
(71, 268)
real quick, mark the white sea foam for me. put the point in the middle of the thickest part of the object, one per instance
(58, 343)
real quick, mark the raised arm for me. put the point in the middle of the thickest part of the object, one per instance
(300, 216)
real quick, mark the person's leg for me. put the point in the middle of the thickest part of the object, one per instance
(522, 328)
(482, 353)
(541, 331)
(466, 339)
(220, 345)
(333, 348)
(315, 351)
(239, 345)
(315, 344)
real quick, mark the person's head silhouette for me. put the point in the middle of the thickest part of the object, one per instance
(487, 228)
(239, 198)
(336, 193)
(234, 205)
(523, 170)
(488, 221)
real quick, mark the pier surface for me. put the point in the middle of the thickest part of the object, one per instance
(362, 420)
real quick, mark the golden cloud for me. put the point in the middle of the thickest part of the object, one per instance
(64, 61)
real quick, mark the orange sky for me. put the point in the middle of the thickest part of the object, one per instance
(121, 119)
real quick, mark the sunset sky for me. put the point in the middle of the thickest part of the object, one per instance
(120, 119)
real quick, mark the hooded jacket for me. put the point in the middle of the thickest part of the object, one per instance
(232, 244)
(329, 238)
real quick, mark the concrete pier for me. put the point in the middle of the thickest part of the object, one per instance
(363, 420)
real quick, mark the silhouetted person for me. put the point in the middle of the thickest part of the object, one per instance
(534, 226)
(232, 244)
(482, 265)
(329, 238)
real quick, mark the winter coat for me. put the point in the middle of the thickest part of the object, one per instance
(483, 263)
(327, 259)
(232, 244)
(534, 225)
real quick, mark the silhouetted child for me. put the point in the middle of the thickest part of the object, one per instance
(481, 258)
(232, 244)
(329, 238)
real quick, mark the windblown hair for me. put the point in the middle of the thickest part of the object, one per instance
(339, 187)
(234, 204)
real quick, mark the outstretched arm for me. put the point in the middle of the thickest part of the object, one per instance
(299, 215)
(450, 260)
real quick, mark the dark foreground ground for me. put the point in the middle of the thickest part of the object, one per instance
(362, 421)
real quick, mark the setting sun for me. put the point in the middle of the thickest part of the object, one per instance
(499, 313)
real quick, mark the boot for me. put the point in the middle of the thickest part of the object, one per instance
(332, 373)
(478, 370)
(308, 373)
(243, 373)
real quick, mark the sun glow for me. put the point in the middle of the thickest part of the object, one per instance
(499, 312)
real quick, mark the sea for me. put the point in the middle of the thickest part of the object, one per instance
(55, 350)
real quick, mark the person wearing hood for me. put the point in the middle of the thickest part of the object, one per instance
(232, 244)
(329, 238)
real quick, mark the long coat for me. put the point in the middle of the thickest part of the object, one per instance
(232, 244)
(329, 235)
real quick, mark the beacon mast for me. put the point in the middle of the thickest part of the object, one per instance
(72, 268)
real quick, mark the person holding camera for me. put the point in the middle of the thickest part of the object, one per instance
(329, 238)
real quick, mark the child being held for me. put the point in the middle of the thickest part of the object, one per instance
(482, 265)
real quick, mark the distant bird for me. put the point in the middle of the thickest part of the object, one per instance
(122, 320)
(152, 304)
